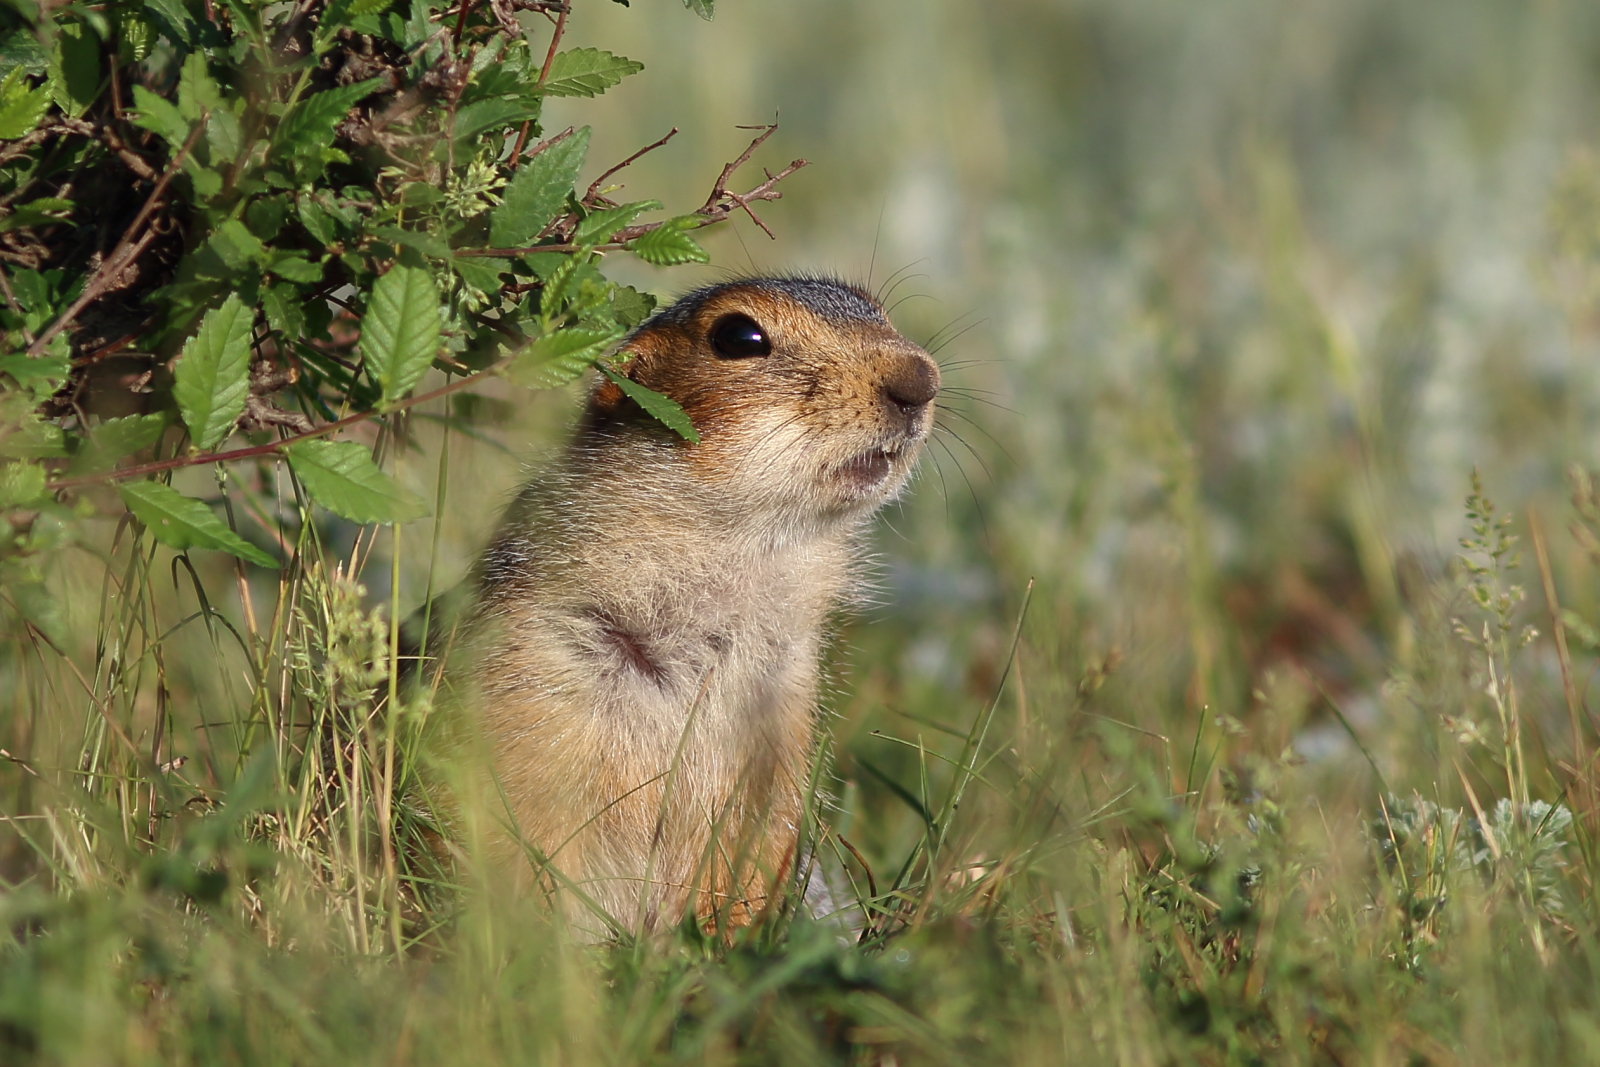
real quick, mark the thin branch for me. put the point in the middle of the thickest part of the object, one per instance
(274, 447)
(594, 186)
(716, 209)
(126, 251)
(544, 73)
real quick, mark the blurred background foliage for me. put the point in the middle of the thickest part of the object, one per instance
(1248, 289)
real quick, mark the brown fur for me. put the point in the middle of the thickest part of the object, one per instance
(652, 614)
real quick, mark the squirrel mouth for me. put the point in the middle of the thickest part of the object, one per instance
(869, 469)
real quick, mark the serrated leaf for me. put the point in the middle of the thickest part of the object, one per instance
(21, 485)
(20, 108)
(426, 243)
(558, 358)
(45, 211)
(223, 135)
(40, 375)
(586, 72)
(482, 274)
(197, 90)
(32, 438)
(341, 476)
(115, 438)
(498, 112)
(282, 303)
(700, 7)
(295, 267)
(602, 224)
(75, 68)
(400, 331)
(213, 374)
(631, 307)
(175, 15)
(369, 7)
(160, 117)
(663, 409)
(236, 245)
(538, 191)
(182, 522)
(308, 128)
(669, 244)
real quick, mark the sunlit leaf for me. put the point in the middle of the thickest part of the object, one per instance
(538, 192)
(558, 358)
(213, 374)
(341, 476)
(586, 72)
(182, 522)
(670, 244)
(663, 409)
(400, 331)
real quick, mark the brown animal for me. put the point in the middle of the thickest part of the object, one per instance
(651, 616)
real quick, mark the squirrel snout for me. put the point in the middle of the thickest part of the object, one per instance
(913, 384)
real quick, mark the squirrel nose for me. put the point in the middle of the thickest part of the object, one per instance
(912, 384)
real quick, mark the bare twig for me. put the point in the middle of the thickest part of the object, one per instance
(594, 186)
(127, 248)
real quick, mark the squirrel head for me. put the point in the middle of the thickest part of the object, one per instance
(807, 401)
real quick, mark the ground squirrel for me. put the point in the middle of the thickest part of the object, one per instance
(651, 615)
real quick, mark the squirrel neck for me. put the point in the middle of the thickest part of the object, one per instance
(623, 523)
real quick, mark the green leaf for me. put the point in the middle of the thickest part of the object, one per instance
(482, 274)
(498, 112)
(341, 476)
(197, 91)
(369, 7)
(309, 126)
(20, 108)
(213, 374)
(426, 243)
(700, 7)
(282, 303)
(182, 522)
(669, 244)
(602, 224)
(176, 16)
(400, 331)
(236, 245)
(115, 438)
(160, 117)
(40, 375)
(630, 307)
(295, 267)
(586, 72)
(538, 192)
(45, 211)
(21, 485)
(223, 135)
(32, 438)
(75, 68)
(663, 409)
(559, 357)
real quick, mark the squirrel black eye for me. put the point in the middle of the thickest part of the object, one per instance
(739, 336)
